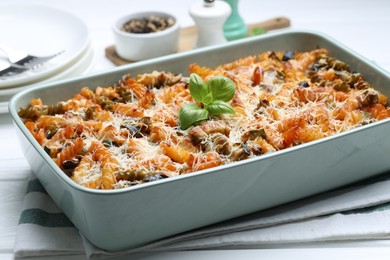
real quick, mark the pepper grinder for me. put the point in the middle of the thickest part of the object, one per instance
(234, 27)
(209, 17)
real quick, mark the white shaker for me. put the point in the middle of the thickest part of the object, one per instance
(210, 16)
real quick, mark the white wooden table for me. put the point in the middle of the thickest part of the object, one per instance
(362, 25)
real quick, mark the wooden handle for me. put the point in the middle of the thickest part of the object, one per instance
(271, 24)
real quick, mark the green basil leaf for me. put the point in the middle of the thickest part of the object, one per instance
(198, 88)
(208, 99)
(191, 113)
(220, 107)
(222, 88)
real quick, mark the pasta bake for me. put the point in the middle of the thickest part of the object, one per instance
(129, 133)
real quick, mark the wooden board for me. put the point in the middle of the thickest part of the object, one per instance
(188, 36)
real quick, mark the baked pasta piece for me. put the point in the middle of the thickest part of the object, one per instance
(128, 134)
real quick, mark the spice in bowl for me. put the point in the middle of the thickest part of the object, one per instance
(136, 35)
(149, 24)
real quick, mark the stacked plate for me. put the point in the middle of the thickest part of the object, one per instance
(42, 31)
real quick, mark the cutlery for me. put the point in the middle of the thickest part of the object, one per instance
(8, 70)
(19, 58)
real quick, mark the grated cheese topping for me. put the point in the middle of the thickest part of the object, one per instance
(130, 132)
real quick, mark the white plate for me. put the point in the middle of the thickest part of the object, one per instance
(41, 30)
(7, 93)
(82, 66)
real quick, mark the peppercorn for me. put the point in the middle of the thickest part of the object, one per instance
(148, 24)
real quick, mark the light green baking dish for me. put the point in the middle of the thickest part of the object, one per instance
(130, 217)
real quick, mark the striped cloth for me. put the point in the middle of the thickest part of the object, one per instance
(359, 212)
(43, 228)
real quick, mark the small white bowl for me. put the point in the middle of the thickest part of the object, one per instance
(142, 46)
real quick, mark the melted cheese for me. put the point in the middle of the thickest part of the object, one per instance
(290, 115)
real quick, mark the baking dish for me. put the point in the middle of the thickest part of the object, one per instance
(130, 217)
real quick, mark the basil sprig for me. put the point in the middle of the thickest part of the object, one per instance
(213, 96)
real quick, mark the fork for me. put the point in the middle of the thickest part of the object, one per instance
(19, 59)
(9, 70)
